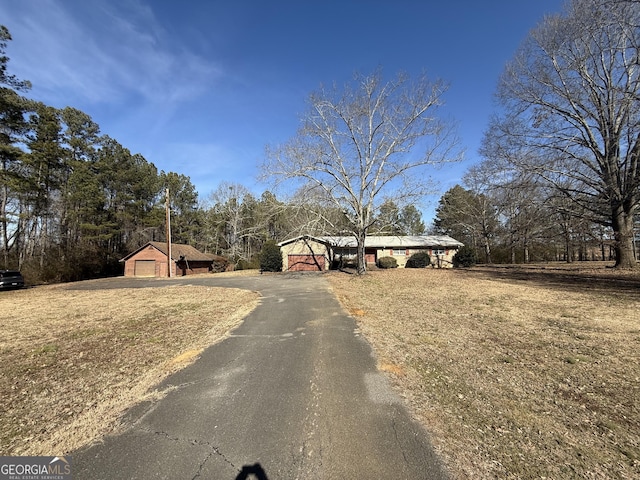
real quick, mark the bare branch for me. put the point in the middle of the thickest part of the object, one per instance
(358, 145)
(572, 110)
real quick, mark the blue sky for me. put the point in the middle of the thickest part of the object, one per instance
(200, 87)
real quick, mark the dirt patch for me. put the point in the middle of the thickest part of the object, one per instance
(517, 373)
(73, 361)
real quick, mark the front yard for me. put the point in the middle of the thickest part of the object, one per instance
(73, 361)
(517, 373)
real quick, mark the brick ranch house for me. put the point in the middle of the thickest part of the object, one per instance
(309, 253)
(150, 260)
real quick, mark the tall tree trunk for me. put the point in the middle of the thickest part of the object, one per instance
(487, 251)
(4, 221)
(486, 243)
(567, 245)
(362, 264)
(623, 232)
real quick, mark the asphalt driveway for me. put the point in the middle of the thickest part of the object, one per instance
(293, 393)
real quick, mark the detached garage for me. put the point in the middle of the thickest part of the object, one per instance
(150, 260)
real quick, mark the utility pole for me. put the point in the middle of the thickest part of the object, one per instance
(168, 233)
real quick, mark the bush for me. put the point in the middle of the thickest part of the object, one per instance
(466, 257)
(387, 262)
(271, 258)
(252, 264)
(419, 260)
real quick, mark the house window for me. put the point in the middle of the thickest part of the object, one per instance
(399, 252)
(438, 251)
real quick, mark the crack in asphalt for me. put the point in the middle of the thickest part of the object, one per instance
(395, 432)
(312, 451)
(214, 451)
(201, 466)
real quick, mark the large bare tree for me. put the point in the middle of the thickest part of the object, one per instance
(571, 98)
(369, 140)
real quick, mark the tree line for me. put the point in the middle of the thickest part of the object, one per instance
(561, 159)
(569, 128)
(559, 179)
(560, 176)
(74, 202)
(509, 223)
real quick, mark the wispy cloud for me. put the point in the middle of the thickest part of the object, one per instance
(101, 52)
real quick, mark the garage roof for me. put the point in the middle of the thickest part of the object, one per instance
(178, 250)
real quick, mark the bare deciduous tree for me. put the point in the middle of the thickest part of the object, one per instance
(480, 179)
(228, 217)
(357, 144)
(572, 112)
(309, 211)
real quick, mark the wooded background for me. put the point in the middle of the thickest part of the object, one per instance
(559, 179)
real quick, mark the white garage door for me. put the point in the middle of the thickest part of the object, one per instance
(145, 268)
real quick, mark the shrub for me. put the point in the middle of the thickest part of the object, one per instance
(252, 264)
(419, 260)
(270, 258)
(387, 262)
(466, 257)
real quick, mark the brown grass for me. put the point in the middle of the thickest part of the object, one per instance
(517, 373)
(73, 361)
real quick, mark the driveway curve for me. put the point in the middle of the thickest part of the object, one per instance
(292, 393)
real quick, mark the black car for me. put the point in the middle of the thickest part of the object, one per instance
(11, 279)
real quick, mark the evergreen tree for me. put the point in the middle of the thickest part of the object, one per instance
(410, 221)
(12, 128)
(270, 257)
(388, 220)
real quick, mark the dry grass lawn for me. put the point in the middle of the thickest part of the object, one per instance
(517, 373)
(72, 361)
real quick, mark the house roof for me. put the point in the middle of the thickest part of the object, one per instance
(307, 237)
(388, 241)
(178, 251)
